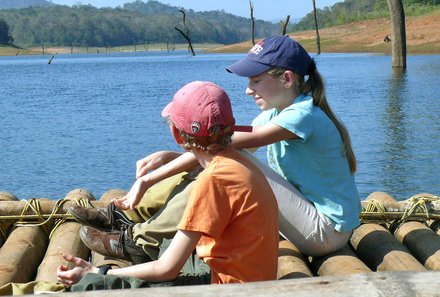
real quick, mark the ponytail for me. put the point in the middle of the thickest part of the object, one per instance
(315, 86)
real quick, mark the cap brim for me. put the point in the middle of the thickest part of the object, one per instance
(168, 110)
(247, 68)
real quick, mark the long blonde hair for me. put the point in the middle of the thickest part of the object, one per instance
(314, 85)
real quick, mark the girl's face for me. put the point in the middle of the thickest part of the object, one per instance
(269, 91)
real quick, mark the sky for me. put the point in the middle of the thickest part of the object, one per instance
(267, 10)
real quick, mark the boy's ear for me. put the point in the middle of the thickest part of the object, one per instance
(176, 134)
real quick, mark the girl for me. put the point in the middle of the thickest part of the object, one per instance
(307, 144)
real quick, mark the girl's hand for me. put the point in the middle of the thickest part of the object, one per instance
(154, 161)
(70, 277)
(133, 197)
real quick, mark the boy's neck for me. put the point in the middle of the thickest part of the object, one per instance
(203, 157)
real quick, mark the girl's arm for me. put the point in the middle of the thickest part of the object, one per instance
(261, 136)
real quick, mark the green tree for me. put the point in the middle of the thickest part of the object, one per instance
(5, 38)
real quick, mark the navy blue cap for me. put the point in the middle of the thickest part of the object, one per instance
(273, 52)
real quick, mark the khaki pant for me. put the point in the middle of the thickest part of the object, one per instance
(161, 210)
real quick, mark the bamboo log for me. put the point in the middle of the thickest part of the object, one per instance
(21, 254)
(381, 251)
(6, 196)
(291, 263)
(423, 243)
(5, 226)
(13, 209)
(65, 239)
(341, 262)
(435, 226)
(383, 197)
(422, 206)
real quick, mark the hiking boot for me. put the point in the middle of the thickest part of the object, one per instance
(115, 244)
(105, 219)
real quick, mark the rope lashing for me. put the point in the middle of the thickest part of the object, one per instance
(418, 207)
(418, 204)
(59, 222)
(33, 205)
(31, 215)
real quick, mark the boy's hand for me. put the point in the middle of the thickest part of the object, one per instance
(154, 161)
(70, 277)
(133, 197)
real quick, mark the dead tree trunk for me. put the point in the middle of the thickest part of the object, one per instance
(186, 33)
(251, 6)
(318, 40)
(284, 25)
(398, 37)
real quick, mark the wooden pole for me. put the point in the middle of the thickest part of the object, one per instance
(318, 39)
(251, 6)
(398, 39)
(284, 25)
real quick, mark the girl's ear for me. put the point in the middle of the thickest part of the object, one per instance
(289, 78)
(176, 134)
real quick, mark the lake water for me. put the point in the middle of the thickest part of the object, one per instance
(84, 120)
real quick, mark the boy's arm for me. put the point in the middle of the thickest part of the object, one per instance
(166, 268)
(154, 161)
(184, 162)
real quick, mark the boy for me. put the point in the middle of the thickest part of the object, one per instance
(231, 217)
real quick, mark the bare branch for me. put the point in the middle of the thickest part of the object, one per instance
(284, 25)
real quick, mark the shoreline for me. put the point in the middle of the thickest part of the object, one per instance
(54, 50)
(422, 37)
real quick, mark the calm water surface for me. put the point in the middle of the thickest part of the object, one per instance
(84, 120)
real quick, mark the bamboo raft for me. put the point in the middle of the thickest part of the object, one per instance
(395, 239)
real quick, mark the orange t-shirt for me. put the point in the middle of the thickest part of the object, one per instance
(234, 207)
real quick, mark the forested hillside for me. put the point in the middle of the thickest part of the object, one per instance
(6, 4)
(359, 10)
(136, 22)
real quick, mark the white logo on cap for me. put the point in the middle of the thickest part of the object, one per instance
(256, 49)
(195, 127)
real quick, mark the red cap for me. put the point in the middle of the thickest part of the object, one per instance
(200, 105)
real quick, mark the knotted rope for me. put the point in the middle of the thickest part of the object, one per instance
(38, 219)
(418, 207)
(417, 204)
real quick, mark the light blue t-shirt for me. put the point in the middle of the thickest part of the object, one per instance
(315, 163)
